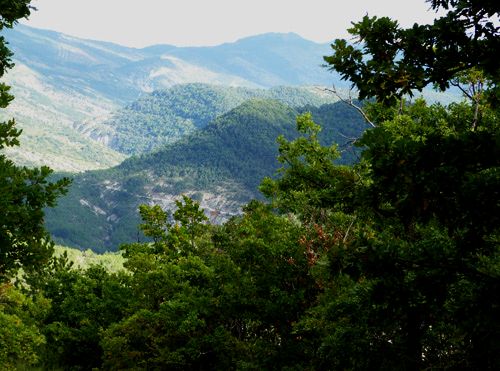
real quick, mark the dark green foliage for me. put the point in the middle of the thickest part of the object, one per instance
(442, 162)
(404, 244)
(227, 299)
(23, 195)
(401, 241)
(175, 312)
(82, 304)
(310, 178)
(265, 248)
(20, 337)
(392, 263)
(197, 297)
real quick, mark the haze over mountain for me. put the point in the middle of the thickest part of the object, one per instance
(61, 80)
(120, 73)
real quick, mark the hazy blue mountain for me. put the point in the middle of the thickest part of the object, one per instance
(120, 73)
(74, 64)
(62, 81)
(220, 165)
(267, 60)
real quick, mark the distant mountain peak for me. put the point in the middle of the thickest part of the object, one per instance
(273, 37)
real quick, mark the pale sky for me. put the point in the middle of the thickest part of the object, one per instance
(140, 23)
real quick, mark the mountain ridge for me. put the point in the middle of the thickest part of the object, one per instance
(220, 165)
(60, 81)
(89, 54)
(165, 115)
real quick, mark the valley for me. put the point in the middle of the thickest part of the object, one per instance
(65, 86)
(143, 126)
(220, 166)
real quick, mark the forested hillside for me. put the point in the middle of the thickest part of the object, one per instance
(61, 81)
(165, 116)
(66, 86)
(220, 165)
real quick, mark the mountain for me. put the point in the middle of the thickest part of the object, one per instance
(164, 116)
(266, 60)
(66, 87)
(46, 114)
(220, 165)
(121, 74)
(61, 81)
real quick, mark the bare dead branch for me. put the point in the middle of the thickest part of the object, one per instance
(349, 101)
(348, 138)
(465, 92)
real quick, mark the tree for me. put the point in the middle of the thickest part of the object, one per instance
(20, 337)
(24, 193)
(176, 318)
(408, 258)
(389, 62)
(405, 244)
(230, 302)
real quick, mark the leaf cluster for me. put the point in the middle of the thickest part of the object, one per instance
(388, 62)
